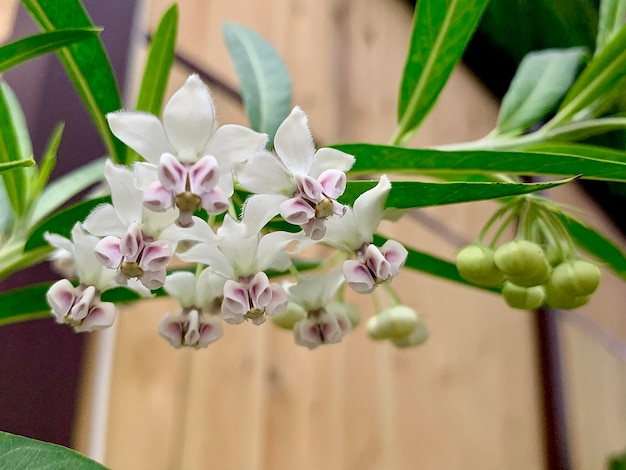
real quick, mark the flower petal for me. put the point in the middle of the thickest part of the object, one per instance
(126, 197)
(330, 159)
(369, 207)
(182, 285)
(358, 277)
(142, 132)
(333, 182)
(101, 315)
(265, 174)
(61, 297)
(232, 144)
(203, 175)
(189, 119)
(172, 174)
(171, 328)
(294, 143)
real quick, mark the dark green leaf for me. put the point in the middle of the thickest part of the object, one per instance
(86, 63)
(159, 63)
(62, 222)
(596, 244)
(539, 85)
(380, 158)
(581, 150)
(264, 78)
(27, 48)
(413, 194)
(441, 31)
(29, 454)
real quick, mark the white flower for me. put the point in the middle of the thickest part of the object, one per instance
(301, 183)
(355, 232)
(179, 147)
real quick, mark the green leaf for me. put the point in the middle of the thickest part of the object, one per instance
(32, 46)
(580, 130)
(540, 83)
(596, 244)
(430, 264)
(10, 166)
(372, 158)
(68, 186)
(441, 31)
(86, 63)
(14, 146)
(597, 80)
(159, 63)
(62, 222)
(29, 454)
(413, 194)
(264, 78)
(612, 16)
(580, 150)
(48, 162)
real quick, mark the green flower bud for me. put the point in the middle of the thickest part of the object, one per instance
(394, 322)
(556, 254)
(417, 337)
(576, 277)
(349, 309)
(292, 315)
(556, 298)
(475, 264)
(525, 298)
(523, 262)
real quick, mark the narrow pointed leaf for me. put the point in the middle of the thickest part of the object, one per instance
(62, 222)
(30, 47)
(48, 162)
(24, 453)
(10, 166)
(372, 158)
(612, 17)
(86, 63)
(580, 130)
(540, 83)
(591, 152)
(441, 31)
(263, 76)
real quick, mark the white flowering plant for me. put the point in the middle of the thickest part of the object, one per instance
(219, 216)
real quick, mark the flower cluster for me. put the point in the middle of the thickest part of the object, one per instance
(258, 209)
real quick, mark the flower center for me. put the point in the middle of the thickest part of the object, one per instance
(131, 269)
(254, 313)
(324, 209)
(188, 201)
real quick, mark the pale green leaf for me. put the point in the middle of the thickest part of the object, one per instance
(612, 17)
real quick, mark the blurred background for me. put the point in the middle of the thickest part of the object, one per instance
(493, 388)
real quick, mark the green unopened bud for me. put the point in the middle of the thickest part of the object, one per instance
(292, 315)
(394, 322)
(576, 277)
(523, 262)
(525, 298)
(349, 310)
(476, 265)
(556, 254)
(556, 298)
(417, 337)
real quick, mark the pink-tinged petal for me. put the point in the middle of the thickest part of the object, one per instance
(232, 144)
(309, 188)
(236, 301)
(376, 263)
(61, 297)
(171, 328)
(265, 174)
(296, 211)
(330, 330)
(172, 174)
(279, 302)
(204, 175)
(192, 325)
(132, 243)
(189, 119)
(156, 255)
(182, 285)
(294, 143)
(260, 291)
(210, 330)
(83, 303)
(307, 333)
(157, 198)
(101, 315)
(339, 210)
(153, 279)
(108, 252)
(215, 201)
(344, 322)
(333, 183)
(358, 277)
(330, 159)
(315, 229)
(142, 132)
(395, 253)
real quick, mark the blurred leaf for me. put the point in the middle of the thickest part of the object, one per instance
(29, 454)
(612, 16)
(33, 46)
(14, 146)
(10, 166)
(67, 186)
(580, 130)
(372, 158)
(539, 85)
(86, 63)
(441, 31)
(264, 78)
(48, 162)
(62, 222)
(413, 194)
(159, 63)
(596, 244)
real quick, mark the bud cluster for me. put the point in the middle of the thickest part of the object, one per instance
(539, 267)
